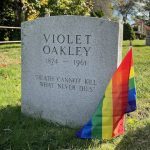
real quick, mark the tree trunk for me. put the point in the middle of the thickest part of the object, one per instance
(18, 12)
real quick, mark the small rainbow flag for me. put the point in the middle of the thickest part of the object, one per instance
(119, 98)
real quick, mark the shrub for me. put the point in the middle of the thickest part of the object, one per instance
(128, 33)
(98, 13)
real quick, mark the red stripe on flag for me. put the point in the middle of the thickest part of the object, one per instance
(120, 94)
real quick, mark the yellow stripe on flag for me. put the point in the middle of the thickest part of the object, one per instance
(132, 72)
(107, 119)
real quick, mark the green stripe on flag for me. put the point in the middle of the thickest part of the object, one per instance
(97, 122)
(131, 83)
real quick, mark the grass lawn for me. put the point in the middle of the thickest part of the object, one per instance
(18, 132)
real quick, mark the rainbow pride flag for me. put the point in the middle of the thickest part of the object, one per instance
(119, 98)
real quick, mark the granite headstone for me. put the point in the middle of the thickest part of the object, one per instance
(67, 62)
(148, 37)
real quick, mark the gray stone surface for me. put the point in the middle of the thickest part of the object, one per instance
(67, 62)
(148, 38)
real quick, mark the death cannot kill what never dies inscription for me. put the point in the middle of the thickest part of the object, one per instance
(67, 62)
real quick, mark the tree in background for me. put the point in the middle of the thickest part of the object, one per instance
(128, 33)
(147, 9)
(144, 9)
(13, 12)
(99, 13)
(136, 8)
(56, 7)
(124, 7)
(10, 14)
(102, 8)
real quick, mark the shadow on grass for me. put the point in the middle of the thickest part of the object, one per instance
(20, 132)
(136, 140)
(134, 46)
(139, 45)
(3, 47)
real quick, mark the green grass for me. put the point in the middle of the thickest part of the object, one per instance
(19, 132)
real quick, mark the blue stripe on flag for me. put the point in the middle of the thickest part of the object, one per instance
(131, 100)
(85, 132)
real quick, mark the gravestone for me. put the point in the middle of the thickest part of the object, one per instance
(67, 62)
(148, 37)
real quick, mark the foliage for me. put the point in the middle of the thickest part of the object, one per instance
(99, 13)
(136, 8)
(19, 132)
(69, 7)
(147, 9)
(10, 14)
(128, 33)
(104, 6)
(56, 7)
(124, 7)
(144, 9)
(135, 28)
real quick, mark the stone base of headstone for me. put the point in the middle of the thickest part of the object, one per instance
(148, 41)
